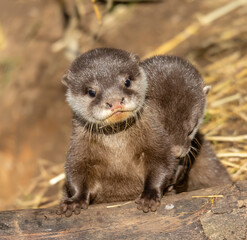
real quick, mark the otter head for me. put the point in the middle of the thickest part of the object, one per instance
(105, 86)
(184, 99)
(189, 117)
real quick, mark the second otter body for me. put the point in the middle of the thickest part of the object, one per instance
(179, 88)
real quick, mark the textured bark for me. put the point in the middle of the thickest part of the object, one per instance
(190, 218)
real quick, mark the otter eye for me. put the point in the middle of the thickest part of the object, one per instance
(127, 83)
(91, 93)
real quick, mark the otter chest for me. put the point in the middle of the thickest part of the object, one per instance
(120, 152)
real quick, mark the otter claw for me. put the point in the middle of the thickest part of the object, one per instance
(148, 201)
(69, 207)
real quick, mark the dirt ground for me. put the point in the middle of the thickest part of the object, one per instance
(39, 39)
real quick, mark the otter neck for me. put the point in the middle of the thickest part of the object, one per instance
(109, 129)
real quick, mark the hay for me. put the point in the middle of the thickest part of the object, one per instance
(96, 11)
(3, 42)
(196, 27)
(41, 192)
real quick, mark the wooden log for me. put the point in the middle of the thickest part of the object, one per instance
(181, 216)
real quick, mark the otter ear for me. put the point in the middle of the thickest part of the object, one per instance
(135, 58)
(206, 89)
(65, 80)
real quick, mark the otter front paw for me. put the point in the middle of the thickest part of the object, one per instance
(148, 200)
(70, 206)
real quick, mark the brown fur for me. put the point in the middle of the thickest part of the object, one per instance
(121, 160)
(181, 93)
(125, 138)
(201, 168)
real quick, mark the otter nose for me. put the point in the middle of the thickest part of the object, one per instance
(115, 105)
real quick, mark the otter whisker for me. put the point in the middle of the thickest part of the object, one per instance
(91, 131)
(194, 149)
(97, 129)
(126, 125)
(192, 153)
(197, 142)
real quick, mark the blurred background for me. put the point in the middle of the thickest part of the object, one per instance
(39, 39)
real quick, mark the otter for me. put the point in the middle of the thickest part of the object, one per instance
(133, 124)
(180, 89)
(119, 149)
